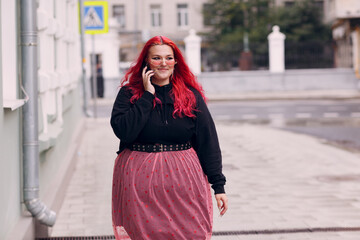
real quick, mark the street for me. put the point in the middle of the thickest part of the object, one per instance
(295, 109)
(335, 121)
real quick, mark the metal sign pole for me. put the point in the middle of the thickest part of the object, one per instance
(95, 22)
(93, 70)
(84, 82)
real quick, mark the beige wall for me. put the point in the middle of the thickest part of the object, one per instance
(342, 9)
(138, 19)
(169, 16)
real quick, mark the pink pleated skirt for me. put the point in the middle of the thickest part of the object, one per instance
(161, 195)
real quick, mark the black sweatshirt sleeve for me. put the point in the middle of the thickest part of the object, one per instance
(206, 144)
(127, 119)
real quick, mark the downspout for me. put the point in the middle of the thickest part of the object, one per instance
(29, 73)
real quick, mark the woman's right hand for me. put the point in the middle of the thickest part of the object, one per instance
(222, 203)
(146, 75)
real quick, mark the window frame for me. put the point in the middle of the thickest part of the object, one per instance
(155, 15)
(182, 15)
(120, 16)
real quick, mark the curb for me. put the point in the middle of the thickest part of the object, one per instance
(263, 96)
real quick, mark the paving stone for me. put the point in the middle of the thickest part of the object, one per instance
(275, 180)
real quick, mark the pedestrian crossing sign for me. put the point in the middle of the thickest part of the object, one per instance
(95, 17)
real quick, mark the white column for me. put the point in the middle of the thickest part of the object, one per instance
(108, 45)
(276, 50)
(193, 52)
(111, 55)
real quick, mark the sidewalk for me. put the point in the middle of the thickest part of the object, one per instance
(276, 180)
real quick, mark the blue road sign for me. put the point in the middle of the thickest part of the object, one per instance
(95, 17)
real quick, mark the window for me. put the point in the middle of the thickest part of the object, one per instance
(155, 11)
(119, 14)
(182, 12)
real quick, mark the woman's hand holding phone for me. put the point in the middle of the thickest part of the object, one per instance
(146, 75)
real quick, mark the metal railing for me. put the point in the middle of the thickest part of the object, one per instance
(298, 55)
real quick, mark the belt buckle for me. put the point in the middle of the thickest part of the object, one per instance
(161, 147)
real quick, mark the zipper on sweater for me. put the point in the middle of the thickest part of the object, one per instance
(165, 114)
(162, 113)
(161, 109)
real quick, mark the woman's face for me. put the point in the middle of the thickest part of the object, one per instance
(161, 60)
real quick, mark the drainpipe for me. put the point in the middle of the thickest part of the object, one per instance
(29, 64)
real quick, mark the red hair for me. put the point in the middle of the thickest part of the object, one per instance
(182, 79)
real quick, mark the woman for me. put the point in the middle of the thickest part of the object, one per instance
(168, 151)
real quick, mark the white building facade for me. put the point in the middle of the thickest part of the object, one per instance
(59, 108)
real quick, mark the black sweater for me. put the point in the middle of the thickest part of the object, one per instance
(142, 123)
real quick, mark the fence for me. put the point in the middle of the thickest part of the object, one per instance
(298, 55)
(311, 54)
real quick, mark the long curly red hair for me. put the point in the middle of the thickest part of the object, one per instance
(182, 79)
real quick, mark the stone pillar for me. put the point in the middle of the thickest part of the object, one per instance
(193, 52)
(276, 50)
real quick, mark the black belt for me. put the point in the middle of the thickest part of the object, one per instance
(158, 147)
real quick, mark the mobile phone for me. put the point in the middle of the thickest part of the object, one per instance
(145, 64)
